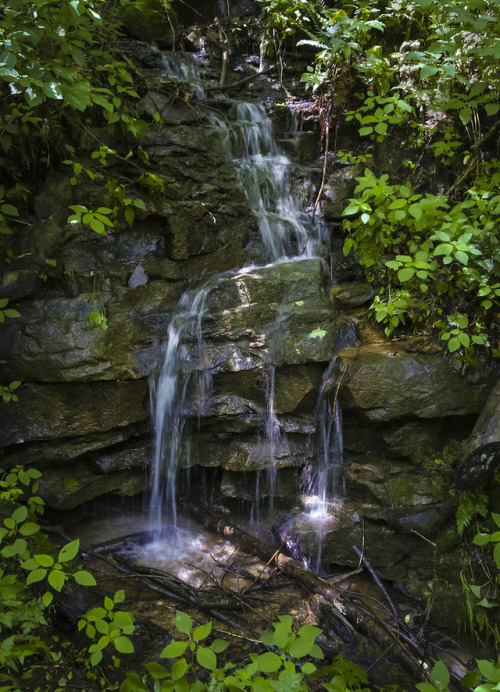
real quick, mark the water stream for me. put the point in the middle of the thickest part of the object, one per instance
(288, 233)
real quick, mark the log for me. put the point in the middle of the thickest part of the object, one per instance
(351, 617)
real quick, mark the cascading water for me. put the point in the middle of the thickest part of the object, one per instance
(287, 233)
(326, 480)
(180, 372)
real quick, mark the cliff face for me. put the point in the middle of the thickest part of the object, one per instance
(269, 331)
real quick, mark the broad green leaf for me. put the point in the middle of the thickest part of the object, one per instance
(317, 334)
(219, 645)
(453, 344)
(174, 650)
(489, 670)
(441, 675)
(183, 622)
(20, 514)
(157, 671)
(202, 631)
(123, 645)
(29, 528)
(44, 560)
(462, 257)
(69, 551)
(84, 578)
(179, 668)
(36, 575)
(405, 274)
(206, 658)
(416, 211)
(465, 115)
(56, 579)
(268, 662)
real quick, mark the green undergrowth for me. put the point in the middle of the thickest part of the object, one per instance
(419, 81)
(31, 657)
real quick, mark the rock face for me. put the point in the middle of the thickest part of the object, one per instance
(269, 333)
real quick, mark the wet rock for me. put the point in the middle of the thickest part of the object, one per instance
(425, 520)
(255, 486)
(124, 459)
(385, 382)
(20, 284)
(54, 411)
(339, 187)
(138, 277)
(351, 295)
(79, 484)
(34, 349)
(396, 484)
(66, 449)
(174, 111)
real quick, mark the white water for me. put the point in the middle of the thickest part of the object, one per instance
(180, 370)
(287, 232)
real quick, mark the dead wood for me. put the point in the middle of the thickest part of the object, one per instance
(352, 617)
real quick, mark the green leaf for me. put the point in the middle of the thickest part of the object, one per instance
(416, 211)
(56, 579)
(496, 518)
(268, 662)
(44, 560)
(317, 334)
(206, 658)
(157, 671)
(69, 551)
(481, 539)
(496, 555)
(465, 115)
(219, 645)
(9, 209)
(123, 645)
(365, 131)
(464, 339)
(489, 670)
(443, 249)
(183, 622)
(84, 578)
(462, 257)
(47, 599)
(453, 344)
(179, 668)
(441, 675)
(29, 528)
(351, 209)
(174, 650)
(96, 225)
(36, 575)
(20, 514)
(202, 632)
(405, 274)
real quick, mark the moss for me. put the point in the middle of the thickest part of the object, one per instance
(148, 20)
(153, 184)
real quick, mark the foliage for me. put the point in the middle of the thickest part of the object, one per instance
(483, 600)
(425, 73)
(290, 661)
(470, 505)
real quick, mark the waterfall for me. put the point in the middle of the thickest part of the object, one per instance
(326, 480)
(180, 372)
(287, 232)
(263, 172)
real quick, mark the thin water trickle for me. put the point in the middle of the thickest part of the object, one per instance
(325, 481)
(180, 371)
